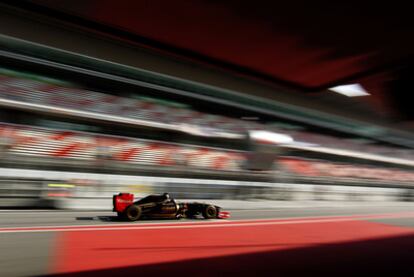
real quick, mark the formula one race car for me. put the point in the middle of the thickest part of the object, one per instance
(162, 206)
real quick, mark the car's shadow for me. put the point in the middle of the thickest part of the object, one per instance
(117, 219)
(99, 218)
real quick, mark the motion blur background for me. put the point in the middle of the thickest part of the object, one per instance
(94, 96)
(240, 102)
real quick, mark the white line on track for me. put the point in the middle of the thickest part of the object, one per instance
(223, 224)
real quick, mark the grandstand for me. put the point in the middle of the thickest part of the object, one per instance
(65, 113)
(86, 127)
(29, 93)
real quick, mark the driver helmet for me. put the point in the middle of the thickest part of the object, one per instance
(166, 196)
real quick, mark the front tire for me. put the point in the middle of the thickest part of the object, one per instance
(209, 212)
(133, 213)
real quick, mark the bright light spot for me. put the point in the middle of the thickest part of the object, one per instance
(350, 90)
(270, 137)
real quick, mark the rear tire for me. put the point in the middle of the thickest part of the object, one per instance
(133, 213)
(209, 212)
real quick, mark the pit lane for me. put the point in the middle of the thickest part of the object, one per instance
(33, 218)
(42, 250)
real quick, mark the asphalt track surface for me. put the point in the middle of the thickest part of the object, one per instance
(330, 241)
(33, 218)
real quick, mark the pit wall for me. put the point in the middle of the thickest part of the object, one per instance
(71, 190)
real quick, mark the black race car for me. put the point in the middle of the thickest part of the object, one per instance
(162, 206)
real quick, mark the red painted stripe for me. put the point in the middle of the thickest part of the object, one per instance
(65, 151)
(128, 154)
(79, 251)
(61, 135)
(220, 162)
(7, 131)
(154, 146)
(24, 140)
(198, 152)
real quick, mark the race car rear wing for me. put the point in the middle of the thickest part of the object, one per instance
(121, 201)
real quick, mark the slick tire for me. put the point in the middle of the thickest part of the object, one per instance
(209, 212)
(133, 213)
